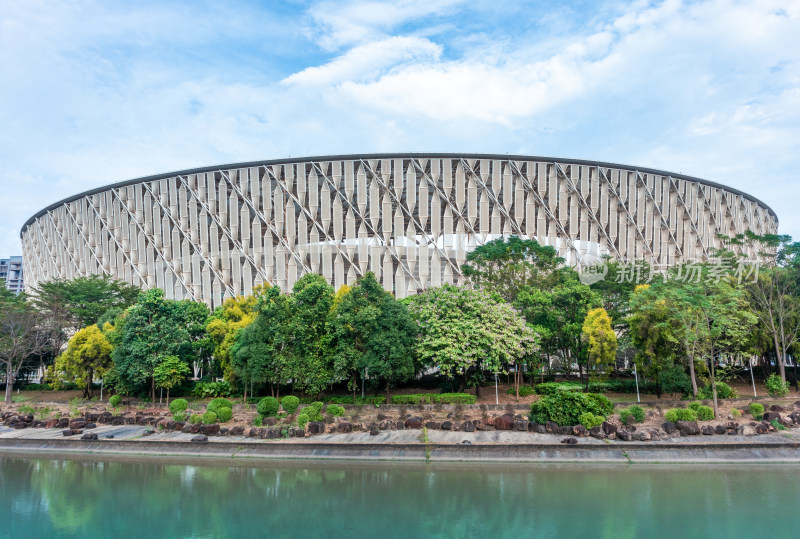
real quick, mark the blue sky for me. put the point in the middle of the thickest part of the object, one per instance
(97, 92)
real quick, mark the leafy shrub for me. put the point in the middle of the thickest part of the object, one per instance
(290, 404)
(736, 413)
(705, 413)
(212, 389)
(115, 400)
(777, 425)
(209, 418)
(26, 409)
(257, 421)
(675, 380)
(603, 402)
(313, 411)
(434, 398)
(756, 410)
(268, 407)
(566, 407)
(217, 404)
(335, 410)
(724, 391)
(695, 405)
(776, 387)
(178, 405)
(524, 391)
(196, 418)
(224, 414)
(681, 414)
(302, 420)
(179, 416)
(635, 411)
(589, 420)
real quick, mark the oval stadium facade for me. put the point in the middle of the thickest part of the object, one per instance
(215, 232)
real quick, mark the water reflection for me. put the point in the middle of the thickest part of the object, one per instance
(162, 499)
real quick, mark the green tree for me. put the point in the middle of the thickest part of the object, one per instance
(463, 331)
(85, 299)
(261, 351)
(88, 354)
(505, 266)
(311, 303)
(559, 314)
(169, 372)
(152, 330)
(652, 330)
(601, 341)
(226, 320)
(23, 335)
(367, 330)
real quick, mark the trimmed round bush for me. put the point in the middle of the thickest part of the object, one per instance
(335, 410)
(589, 420)
(268, 407)
(224, 415)
(115, 400)
(681, 414)
(302, 420)
(179, 416)
(216, 404)
(178, 405)
(196, 418)
(289, 403)
(209, 418)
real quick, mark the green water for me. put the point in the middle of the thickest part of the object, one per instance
(123, 498)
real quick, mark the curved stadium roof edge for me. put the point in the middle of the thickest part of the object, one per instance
(353, 157)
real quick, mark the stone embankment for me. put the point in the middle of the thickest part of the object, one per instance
(160, 421)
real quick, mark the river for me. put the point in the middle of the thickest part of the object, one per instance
(157, 498)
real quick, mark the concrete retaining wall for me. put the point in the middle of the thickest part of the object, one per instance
(628, 452)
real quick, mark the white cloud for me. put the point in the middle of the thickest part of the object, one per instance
(342, 23)
(368, 60)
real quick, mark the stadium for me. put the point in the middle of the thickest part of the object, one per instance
(211, 233)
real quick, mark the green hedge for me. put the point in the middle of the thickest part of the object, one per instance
(434, 398)
(524, 391)
(617, 385)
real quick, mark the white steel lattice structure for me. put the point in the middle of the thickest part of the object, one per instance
(215, 232)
